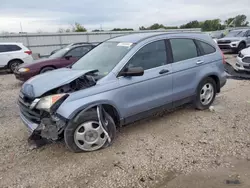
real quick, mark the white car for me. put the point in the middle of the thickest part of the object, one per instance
(243, 60)
(14, 54)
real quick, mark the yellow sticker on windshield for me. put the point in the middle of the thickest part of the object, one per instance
(125, 44)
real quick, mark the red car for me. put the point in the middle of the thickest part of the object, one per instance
(61, 58)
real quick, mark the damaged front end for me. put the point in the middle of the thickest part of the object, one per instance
(39, 113)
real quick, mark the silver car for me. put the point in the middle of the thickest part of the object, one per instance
(235, 40)
(243, 60)
(122, 80)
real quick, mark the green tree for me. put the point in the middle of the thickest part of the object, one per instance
(192, 24)
(78, 28)
(237, 21)
(157, 26)
(122, 29)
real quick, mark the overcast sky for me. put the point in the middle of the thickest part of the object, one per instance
(49, 15)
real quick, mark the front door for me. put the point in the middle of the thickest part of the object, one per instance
(154, 88)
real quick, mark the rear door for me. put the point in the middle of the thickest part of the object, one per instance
(186, 64)
(153, 89)
(9, 52)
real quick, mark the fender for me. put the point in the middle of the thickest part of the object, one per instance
(69, 110)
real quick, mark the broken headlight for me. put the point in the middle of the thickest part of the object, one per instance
(47, 102)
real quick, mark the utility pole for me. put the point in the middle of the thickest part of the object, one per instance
(21, 27)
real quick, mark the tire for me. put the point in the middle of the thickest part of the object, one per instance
(204, 98)
(241, 47)
(13, 65)
(46, 69)
(74, 127)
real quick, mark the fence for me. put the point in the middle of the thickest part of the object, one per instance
(44, 43)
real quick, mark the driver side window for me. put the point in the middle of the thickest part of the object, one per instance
(150, 56)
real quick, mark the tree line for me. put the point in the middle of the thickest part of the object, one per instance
(207, 25)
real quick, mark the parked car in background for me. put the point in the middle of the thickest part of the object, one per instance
(217, 35)
(243, 60)
(62, 58)
(71, 44)
(122, 80)
(14, 54)
(235, 40)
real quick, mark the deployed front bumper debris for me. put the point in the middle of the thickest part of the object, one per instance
(47, 131)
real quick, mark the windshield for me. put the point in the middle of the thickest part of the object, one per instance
(216, 34)
(103, 57)
(236, 34)
(59, 53)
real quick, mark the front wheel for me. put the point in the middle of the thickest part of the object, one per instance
(205, 94)
(86, 134)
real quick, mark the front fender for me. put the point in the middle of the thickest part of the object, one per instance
(70, 109)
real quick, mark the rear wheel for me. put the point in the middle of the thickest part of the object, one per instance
(86, 134)
(205, 94)
(46, 69)
(13, 65)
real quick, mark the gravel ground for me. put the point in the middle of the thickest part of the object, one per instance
(151, 153)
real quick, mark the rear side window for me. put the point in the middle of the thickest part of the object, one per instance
(150, 56)
(11, 48)
(3, 48)
(205, 48)
(183, 49)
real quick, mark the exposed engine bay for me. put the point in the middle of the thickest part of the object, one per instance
(51, 126)
(83, 82)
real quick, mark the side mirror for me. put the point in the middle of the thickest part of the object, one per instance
(68, 57)
(133, 71)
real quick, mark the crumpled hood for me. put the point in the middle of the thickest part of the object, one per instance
(246, 51)
(231, 38)
(40, 84)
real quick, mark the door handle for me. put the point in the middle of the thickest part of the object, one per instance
(199, 62)
(163, 71)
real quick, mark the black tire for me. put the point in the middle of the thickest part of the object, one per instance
(87, 116)
(241, 47)
(13, 65)
(46, 69)
(197, 102)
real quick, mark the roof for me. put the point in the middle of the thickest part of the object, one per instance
(240, 30)
(134, 38)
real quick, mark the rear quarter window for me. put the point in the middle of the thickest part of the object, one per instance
(205, 48)
(3, 48)
(11, 48)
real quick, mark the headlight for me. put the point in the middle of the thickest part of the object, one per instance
(46, 103)
(23, 70)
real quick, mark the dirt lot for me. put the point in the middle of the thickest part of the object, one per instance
(184, 148)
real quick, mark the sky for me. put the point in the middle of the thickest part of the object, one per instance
(50, 15)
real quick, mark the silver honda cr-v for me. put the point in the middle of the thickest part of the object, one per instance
(122, 80)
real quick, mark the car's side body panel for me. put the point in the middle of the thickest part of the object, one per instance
(135, 97)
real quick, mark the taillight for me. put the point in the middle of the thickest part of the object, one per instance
(223, 58)
(28, 52)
